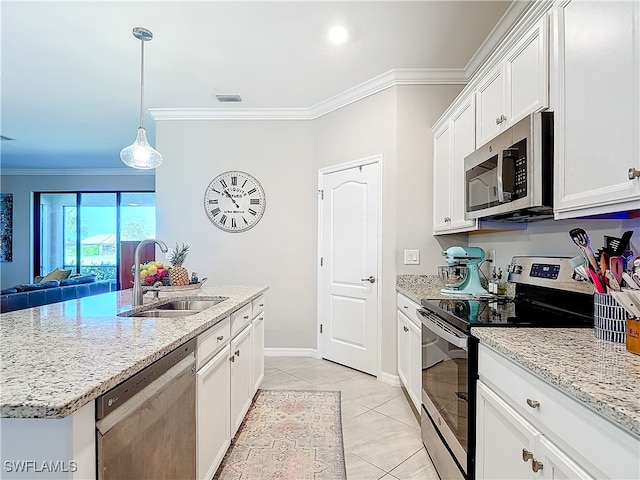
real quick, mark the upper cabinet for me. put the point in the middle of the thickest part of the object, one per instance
(453, 140)
(517, 86)
(597, 115)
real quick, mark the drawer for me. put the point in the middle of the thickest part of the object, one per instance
(212, 340)
(409, 308)
(240, 318)
(596, 444)
(257, 306)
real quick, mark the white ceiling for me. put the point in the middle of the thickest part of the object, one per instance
(71, 70)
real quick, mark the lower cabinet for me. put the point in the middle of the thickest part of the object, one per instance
(257, 335)
(528, 429)
(241, 379)
(409, 349)
(213, 428)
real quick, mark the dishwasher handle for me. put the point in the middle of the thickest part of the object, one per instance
(151, 391)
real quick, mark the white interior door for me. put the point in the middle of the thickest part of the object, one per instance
(348, 277)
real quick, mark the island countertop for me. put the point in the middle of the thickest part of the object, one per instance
(602, 375)
(58, 357)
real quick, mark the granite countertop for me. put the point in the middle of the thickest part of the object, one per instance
(417, 287)
(59, 357)
(602, 375)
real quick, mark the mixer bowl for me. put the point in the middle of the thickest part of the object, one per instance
(452, 276)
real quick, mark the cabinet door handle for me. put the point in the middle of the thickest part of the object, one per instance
(246, 317)
(533, 403)
(633, 173)
(232, 358)
(220, 337)
(405, 328)
(526, 455)
(371, 279)
(405, 307)
(261, 305)
(536, 466)
(237, 353)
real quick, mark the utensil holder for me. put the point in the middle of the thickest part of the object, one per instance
(609, 318)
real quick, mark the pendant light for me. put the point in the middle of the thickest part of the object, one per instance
(140, 154)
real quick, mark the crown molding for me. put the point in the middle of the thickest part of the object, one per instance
(76, 171)
(386, 80)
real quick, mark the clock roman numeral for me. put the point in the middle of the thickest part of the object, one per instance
(213, 202)
(219, 193)
(233, 223)
(215, 211)
(234, 180)
(252, 211)
(223, 183)
(245, 221)
(252, 191)
(244, 183)
(254, 201)
(223, 219)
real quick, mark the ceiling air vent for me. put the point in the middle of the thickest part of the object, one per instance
(228, 98)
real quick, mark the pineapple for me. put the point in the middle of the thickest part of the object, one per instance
(178, 275)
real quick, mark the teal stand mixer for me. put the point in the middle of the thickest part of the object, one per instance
(462, 274)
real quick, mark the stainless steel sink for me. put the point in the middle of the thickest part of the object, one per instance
(177, 308)
(164, 313)
(194, 304)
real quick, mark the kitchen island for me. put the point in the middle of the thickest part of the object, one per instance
(58, 358)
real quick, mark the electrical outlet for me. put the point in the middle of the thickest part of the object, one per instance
(412, 257)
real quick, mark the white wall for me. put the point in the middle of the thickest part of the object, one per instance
(22, 187)
(551, 238)
(280, 250)
(397, 124)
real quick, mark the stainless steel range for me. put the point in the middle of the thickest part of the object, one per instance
(546, 295)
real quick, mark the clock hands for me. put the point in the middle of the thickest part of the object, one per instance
(232, 199)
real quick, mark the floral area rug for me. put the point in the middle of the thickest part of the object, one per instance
(288, 435)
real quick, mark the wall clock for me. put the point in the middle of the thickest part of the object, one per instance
(234, 201)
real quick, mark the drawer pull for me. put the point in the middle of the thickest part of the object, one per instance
(404, 306)
(237, 353)
(533, 403)
(536, 466)
(261, 305)
(526, 455)
(220, 337)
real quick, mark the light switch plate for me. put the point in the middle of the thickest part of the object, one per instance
(412, 257)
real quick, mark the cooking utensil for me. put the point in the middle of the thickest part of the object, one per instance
(629, 282)
(604, 261)
(581, 239)
(581, 270)
(617, 246)
(629, 304)
(612, 283)
(616, 266)
(597, 282)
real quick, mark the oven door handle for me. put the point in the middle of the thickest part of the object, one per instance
(443, 331)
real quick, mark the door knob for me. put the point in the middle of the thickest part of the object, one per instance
(536, 465)
(371, 279)
(633, 173)
(526, 455)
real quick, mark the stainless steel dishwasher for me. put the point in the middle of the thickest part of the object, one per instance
(146, 426)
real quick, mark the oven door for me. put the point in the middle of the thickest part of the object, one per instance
(445, 395)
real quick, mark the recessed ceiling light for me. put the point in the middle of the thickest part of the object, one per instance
(338, 35)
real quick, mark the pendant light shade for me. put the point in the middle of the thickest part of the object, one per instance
(140, 154)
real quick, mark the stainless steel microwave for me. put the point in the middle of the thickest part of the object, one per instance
(510, 178)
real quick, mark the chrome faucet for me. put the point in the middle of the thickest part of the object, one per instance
(138, 293)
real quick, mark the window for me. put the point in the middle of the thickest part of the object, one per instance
(83, 231)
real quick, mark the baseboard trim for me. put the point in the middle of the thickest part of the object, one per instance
(390, 379)
(291, 352)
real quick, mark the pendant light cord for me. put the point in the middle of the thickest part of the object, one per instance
(142, 83)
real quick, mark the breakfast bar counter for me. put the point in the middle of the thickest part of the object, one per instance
(58, 357)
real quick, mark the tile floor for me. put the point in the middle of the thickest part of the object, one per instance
(381, 433)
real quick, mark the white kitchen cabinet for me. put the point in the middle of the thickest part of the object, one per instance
(257, 335)
(525, 424)
(597, 115)
(409, 343)
(517, 86)
(213, 414)
(241, 360)
(453, 140)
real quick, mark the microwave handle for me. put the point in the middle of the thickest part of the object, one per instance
(439, 329)
(500, 179)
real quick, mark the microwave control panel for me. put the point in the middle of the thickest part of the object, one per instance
(519, 158)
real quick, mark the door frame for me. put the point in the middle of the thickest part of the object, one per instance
(374, 159)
